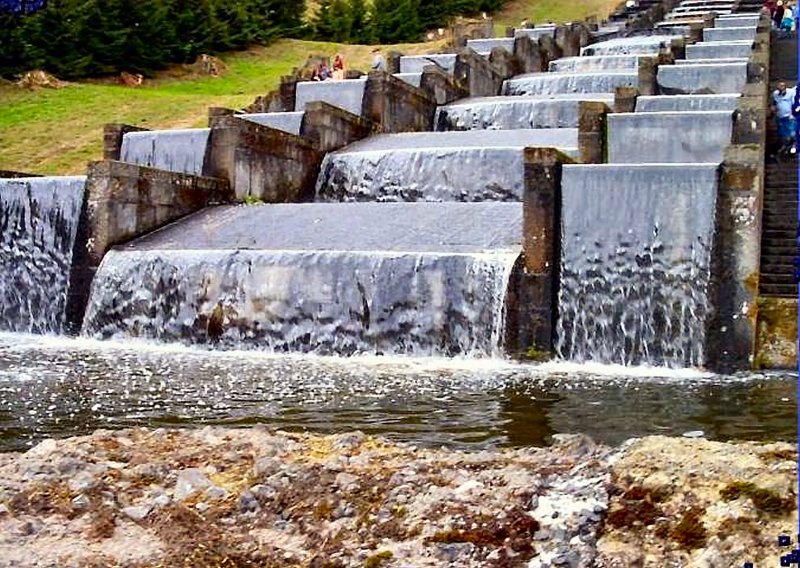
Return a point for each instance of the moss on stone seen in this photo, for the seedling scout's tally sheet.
(690, 533)
(764, 500)
(378, 560)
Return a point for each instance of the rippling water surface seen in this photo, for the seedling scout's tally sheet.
(53, 387)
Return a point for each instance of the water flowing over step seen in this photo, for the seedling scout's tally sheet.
(562, 83)
(683, 103)
(643, 45)
(38, 226)
(597, 63)
(513, 113)
(635, 263)
(705, 78)
(444, 166)
(182, 151)
(408, 279)
(669, 137)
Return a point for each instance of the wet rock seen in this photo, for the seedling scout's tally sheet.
(190, 481)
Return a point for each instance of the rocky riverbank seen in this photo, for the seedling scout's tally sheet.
(251, 497)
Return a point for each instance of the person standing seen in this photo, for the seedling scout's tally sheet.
(783, 106)
(378, 62)
(777, 15)
(338, 67)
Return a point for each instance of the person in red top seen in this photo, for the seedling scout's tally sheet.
(338, 67)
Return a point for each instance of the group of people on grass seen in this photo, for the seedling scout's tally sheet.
(323, 72)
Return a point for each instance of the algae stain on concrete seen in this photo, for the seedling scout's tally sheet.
(777, 333)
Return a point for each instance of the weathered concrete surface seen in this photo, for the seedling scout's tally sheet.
(331, 128)
(530, 55)
(702, 79)
(413, 79)
(777, 333)
(533, 288)
(290, 122)
(739, 211)
(262, 162)
(675, 103)
(729, 34)
(393, 105)
(124, 201)
(669, 137)
(719, 50)
(348, 95)
(475, 75)
(440, 86)
(592, 132)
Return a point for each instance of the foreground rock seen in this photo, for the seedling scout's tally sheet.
(239, 498)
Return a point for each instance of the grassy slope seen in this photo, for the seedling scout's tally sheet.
(58, 131)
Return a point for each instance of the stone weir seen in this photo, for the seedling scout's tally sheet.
(39, 220)
(580, 82)
(406, 279)
(512, 113)
(444, 166)
(636, 260)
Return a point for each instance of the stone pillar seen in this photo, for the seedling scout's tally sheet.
(533, 290)
(112, 139)
(395, 106)
(215, 112)
(592, 132)
(125, 201)
(504, 63)
(287, 92)
(262, 162)
(476, 75)
(529, 55)
(393, 62)
(749, 118)
(647, 76)
(441, 86)
(331, 127)
(625, 99)
(737, 254)
(550, 51)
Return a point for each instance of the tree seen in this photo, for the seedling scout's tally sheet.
(395, 21)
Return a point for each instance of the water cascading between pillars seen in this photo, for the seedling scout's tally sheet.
(38, 226)
(636, 258)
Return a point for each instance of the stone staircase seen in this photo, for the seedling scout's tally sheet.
(779, 230)
(749, 5)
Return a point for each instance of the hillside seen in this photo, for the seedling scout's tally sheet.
(58, 131)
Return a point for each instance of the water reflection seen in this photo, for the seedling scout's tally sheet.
(59, 387)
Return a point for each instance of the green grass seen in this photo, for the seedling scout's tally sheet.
(57, 131)
(557, 11)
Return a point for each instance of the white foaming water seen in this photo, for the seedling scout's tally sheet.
(330, 302)
(40, 219)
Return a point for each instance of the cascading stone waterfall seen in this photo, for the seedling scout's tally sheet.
(563, 83)
(512, 113)
(636, 259)
(38, 226)
(405, 284)
(446, 166)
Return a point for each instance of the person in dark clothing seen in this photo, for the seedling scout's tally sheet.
(777, 16)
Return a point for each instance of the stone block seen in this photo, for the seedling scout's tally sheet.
(331, 128)
(529, 55)
(476, 75)
(262, 162)
(592, 132)
(393, 105)
(441, 86)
